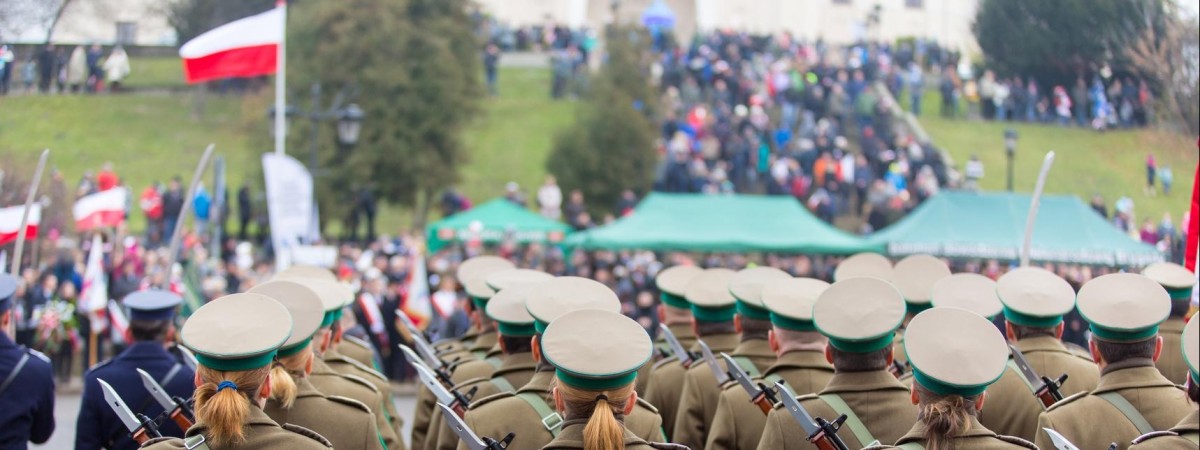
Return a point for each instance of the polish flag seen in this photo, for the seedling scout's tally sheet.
(246, 47)
(93, 298)
(10, 222)
(102, 209)
(416, 302)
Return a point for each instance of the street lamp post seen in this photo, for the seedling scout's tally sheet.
(347, 122)
(1010, 151)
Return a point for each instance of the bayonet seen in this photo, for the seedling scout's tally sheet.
(1060, 442)
(760, 394)
(189, 358)
(422, 345)
(682, 354)
(1044, 389)
(413, 358)
(454, 399)
(820, 432)
(468, 437)
(176, 410)
(140, 427)
(721, 375)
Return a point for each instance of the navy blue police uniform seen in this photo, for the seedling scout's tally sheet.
(98, 426)
(26, 386)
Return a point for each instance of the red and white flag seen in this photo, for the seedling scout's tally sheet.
(416, 303)
(246, 47)
(102, 209)
(93, 299)
(120, 323)
(10, 222)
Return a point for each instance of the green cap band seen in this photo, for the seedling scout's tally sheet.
(236, 364)
(294, 349)
(722, 314)
(1180, 294)
(670, 299)
(863, 346)
(337, 314)
(595, 384)
(480, 303)
(540, 326)
(916, 308)
(752, 312)
(328, 319)
(517, 329)
(1027, 320)
(789, 323)
(1108, 334)
(941, 388)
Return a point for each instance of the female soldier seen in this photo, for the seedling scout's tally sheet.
(235, 338)
(347, 423)
(596, 355)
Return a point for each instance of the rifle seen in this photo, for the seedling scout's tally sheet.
(821, 433)
(721, 375)
(760, 394)
(683, 355)
(141, 428)
(176, 408)
(468, 437)
(1044, 389)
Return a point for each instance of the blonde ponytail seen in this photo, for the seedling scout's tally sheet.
(603, 410)
(283, 387)
(223, 402)
(944, 417)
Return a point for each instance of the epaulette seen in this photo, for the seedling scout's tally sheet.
(361, 381)
(667, 446)
(1066, 400)
(489, 399)
(1017, 441)
(308, 433)
(156, 440)
(40, 355)
(468, 382)
(1079, 351)
(808, 397)
(358, 342)
(647, 405)
(664, 361)
(98, 365)
(362, 367)
(1152, 435)
(348, 401)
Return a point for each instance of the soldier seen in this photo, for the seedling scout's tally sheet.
(347, 423)
(915, 276)
(596, 355)
(1186, 434)
(671, 282)
(1132, 397)
(665, 377)
(477, 267)
(26, 383)
(235, 338)
(348, 366)
(151, 326)
(1034, 301)
(723, 300)
(863, 265)
(955, 354)
(801, 362)
(859, 316)
(1178, 281)
(970, 291)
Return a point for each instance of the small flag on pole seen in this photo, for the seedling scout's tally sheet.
(94, 296)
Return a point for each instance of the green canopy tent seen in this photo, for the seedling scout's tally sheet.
(721, 223)
(495, 221)
(991, 225)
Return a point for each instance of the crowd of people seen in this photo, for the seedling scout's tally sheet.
(61, 69)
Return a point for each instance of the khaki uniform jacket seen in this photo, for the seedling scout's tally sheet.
(1091, 422)
(480, 343)
(347, 366)
(880, 401)
(1183, 436)
(329, 382)
(517, 369)
(662, 350)
(739, 423)
(349, 425)
(504, 413)
(698, 401)
(1170, 362)
(358, 350)
(1012, 409)
(260, 432)
(666, 380)
(572, 438)
(976, 437)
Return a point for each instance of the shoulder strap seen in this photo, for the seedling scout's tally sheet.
(195, 442)
(502, 384)
(550, 419)
(911, 446)
(1118, 401)
(1193, 437)
(856, 425)
(494, 361)
(748, 366)
(16, 371)
(772, 379)
(1012, 365)
(171, 375)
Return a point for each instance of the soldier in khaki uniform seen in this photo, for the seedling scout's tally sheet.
(1034, 302)
(915, 276)
(729, 298)
(1132, 398)
(235, 338)
(354, 348)
(1186, 434)
(1178, 281)
(738, 423)
(955, 355)
(859, 316)
(664, 378)
(346, 423)
(671, 282)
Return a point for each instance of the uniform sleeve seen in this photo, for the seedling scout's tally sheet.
(372, 440)
(43, 413)
(1041, 439)
(723, 433)
(689, 420)
(87, 426)
(422, 415)
(431, 435)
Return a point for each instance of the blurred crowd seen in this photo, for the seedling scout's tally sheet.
(60, 69)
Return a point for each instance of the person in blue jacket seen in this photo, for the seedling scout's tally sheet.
(26, 384)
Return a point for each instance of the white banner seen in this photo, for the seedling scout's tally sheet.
(289, 203)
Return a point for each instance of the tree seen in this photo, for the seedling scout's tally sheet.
(1164, 54)
(20, 15)
(190, 18)
(611, 146)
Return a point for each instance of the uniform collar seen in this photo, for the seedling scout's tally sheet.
(917, 433)
(683, 333)
(540, 382)
(145, 350)
(332, 352)
(1131, 373)
(305, 388)
(1173, 326)
(321, 368)
(1189, 424)
(725, 342)
(515, 362)
(800, 359)
(484, 342)
(869, 381)
(1041, 344)
(754, 348)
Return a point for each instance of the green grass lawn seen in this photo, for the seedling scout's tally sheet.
(155, 73)
(1112, 164)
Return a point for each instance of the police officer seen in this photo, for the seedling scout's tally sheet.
(235, 339)
(664, 379)
(596, 355)
(1178, 281)
(1132, 397)
(26, 383)
(721, 299)
(955, 354)
(1186, 434)
(859, 316)
(670, 282)
(1034, 302)
(151, 327)
(915, 276)
(347, 423)
(801, 362)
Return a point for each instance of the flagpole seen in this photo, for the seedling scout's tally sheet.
(177, 233)
(1034, 203)
(280, 80)
(33, 188)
